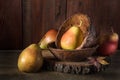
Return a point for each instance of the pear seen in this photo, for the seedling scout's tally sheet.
(30, 59)
(72, 38)
(49, 37)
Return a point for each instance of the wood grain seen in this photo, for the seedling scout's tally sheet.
(103, 14)
(23, 22)
(9, 70)
(10, 24)
(27, 22)
(60, 12)
(46, 14)
(42, 18)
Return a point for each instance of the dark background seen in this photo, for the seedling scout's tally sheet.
(23, 22)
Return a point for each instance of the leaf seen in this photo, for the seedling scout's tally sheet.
(99, 58)
(102, 61)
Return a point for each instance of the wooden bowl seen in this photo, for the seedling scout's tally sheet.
(71, 55)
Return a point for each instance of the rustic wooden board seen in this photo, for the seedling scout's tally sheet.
(9, 70)
(83, 67)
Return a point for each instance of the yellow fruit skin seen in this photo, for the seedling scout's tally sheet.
(71, 38)
(114, 37)
(30, 59)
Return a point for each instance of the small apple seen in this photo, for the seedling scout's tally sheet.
(109, 46)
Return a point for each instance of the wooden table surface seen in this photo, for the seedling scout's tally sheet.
(9, 71)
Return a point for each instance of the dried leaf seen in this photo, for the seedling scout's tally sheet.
(103, 62)
(99, 58)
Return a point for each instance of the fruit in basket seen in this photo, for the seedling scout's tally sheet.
(72, 38)
(30, 59)
(109, 45)
(49, 37)
(80, 20)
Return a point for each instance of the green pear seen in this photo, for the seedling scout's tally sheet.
(49, 37)
(72, 38)
(30, 59)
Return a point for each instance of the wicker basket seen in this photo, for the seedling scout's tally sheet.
(71, 55)
(69, 22)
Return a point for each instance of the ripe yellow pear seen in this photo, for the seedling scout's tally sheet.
(30, 59)
(72, 38)
(49, 37)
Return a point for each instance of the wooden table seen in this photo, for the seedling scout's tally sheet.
(9, 71)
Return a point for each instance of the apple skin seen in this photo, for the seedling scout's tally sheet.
(109, 45)
(108, 48)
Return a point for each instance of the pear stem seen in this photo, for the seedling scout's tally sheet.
(80, 22)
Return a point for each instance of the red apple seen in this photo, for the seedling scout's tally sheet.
(108, 47)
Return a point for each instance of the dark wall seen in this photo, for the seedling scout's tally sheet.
(26, 21)
(10, 24)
